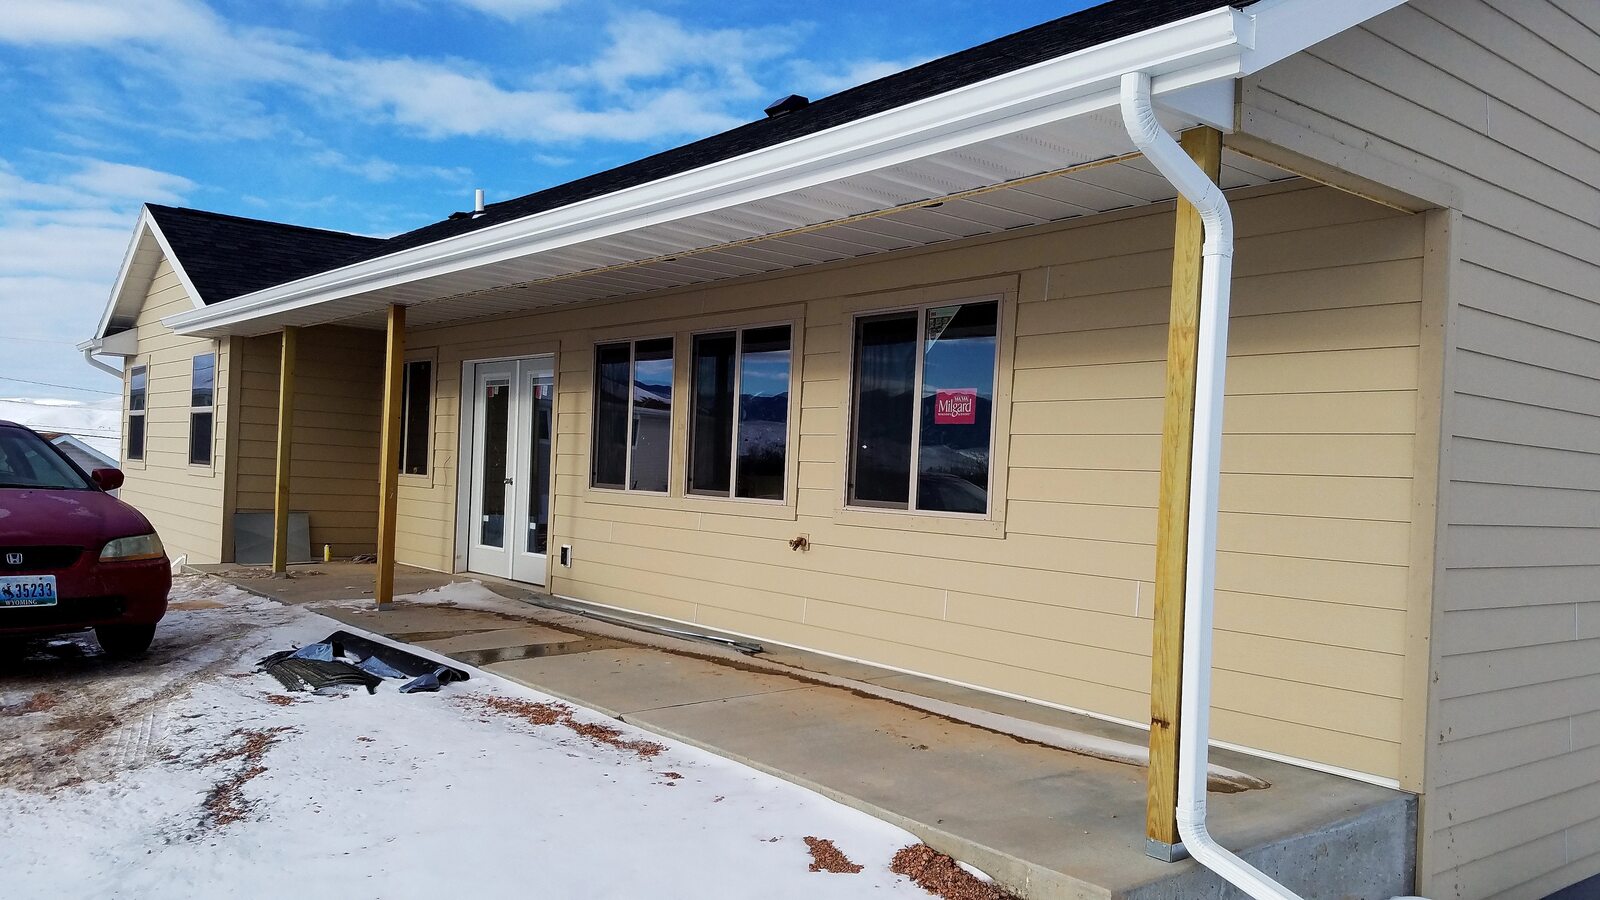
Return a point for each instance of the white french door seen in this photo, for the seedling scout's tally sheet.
(513, 428)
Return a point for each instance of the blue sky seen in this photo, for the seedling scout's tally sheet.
(375, 116)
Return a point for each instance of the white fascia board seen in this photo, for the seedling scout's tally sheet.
(146, 226)
(1286, 27)
(1202, 48)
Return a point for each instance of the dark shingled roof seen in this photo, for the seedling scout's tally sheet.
(226, 256)
(297, 253)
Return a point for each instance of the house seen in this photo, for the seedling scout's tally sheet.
(910, 374)
(86, 457)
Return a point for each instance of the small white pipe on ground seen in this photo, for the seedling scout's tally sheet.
(1216, 274)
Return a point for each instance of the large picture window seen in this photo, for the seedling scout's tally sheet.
(922, 395)
(739, 416)
(632, 437)
(202, 407)
(416, 392)
(137, 383)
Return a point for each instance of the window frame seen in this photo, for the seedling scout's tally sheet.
(672, 415)
(211, 444)
(738, 376)
(1005, 291)
(143, 414)
(405, 414)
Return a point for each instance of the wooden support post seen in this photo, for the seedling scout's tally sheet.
(389, 463)
(280, 479)
(1204, 145)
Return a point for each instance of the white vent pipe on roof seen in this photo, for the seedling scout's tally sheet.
(477, 202)
(1216, 275)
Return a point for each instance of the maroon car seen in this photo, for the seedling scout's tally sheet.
(71, 556)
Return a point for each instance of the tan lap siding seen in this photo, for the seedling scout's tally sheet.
(185, 503)
(1498, 101)
(1316, 498)
(334, 464)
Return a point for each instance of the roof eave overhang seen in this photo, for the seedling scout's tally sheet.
(1206, 49)
(1194, 51)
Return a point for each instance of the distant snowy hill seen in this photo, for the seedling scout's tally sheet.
(97, 423)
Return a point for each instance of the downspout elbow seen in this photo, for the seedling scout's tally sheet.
(1163, 151)
(88, 357)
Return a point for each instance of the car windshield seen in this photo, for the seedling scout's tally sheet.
(26, 461)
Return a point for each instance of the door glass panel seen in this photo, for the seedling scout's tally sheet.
(542, 391)
(885, 394)
(711, 431)
(763, 412)
(652, 415)
(496, 413)
(957, 399)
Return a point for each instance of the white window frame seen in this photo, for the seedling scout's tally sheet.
(211, 445)
(921, 309)
(594, 414)
(738, 377)
(407, 385)
(143, 414)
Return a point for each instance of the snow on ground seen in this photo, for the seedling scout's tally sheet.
(187, 774)
(97, 423)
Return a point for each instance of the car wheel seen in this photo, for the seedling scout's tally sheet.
(124, 641)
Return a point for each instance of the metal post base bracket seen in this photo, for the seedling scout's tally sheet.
(1164, 851)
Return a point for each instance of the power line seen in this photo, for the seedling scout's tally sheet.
(65, 387)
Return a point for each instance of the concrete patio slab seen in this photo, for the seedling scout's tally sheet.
(1048, 823)
(631, 680)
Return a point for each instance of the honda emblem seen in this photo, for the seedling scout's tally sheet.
(13, 559)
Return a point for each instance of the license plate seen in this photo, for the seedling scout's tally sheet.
(28, 590)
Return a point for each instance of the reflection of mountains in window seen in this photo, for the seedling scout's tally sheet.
(651, 396)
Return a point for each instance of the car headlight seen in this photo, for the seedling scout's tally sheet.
(139, 546)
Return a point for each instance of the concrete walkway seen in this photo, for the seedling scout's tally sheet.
(1045, 822)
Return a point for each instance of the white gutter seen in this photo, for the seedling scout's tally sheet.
(1216, 276)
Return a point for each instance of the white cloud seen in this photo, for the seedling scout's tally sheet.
(819, 80)
(120, 181)
(62, 237)
(511, 10)
(655, 77)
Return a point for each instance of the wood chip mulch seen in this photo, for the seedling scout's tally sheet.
(560, 714)
(941, 876)
(44, 701)
(225, 803)
(825, 857)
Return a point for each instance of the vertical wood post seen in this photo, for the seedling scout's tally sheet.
(1204, 145)
(280, 480)
(389, 464)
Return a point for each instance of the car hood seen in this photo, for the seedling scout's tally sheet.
(77, 518)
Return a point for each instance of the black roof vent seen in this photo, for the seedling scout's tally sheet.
(787, 105)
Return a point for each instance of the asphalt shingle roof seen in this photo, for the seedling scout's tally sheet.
(228, 256)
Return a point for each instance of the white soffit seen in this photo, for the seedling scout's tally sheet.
(817, 198)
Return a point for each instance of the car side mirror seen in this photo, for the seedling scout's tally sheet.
(107, 479)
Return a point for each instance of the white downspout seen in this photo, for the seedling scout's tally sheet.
(88, 357)
(1216, 276)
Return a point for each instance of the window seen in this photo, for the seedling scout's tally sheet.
(416, 390)
(632, 415)
(136, 400)
(739, 422)
(202, 405)
(922, 404)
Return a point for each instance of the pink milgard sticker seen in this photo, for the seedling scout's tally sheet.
(957, 406)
